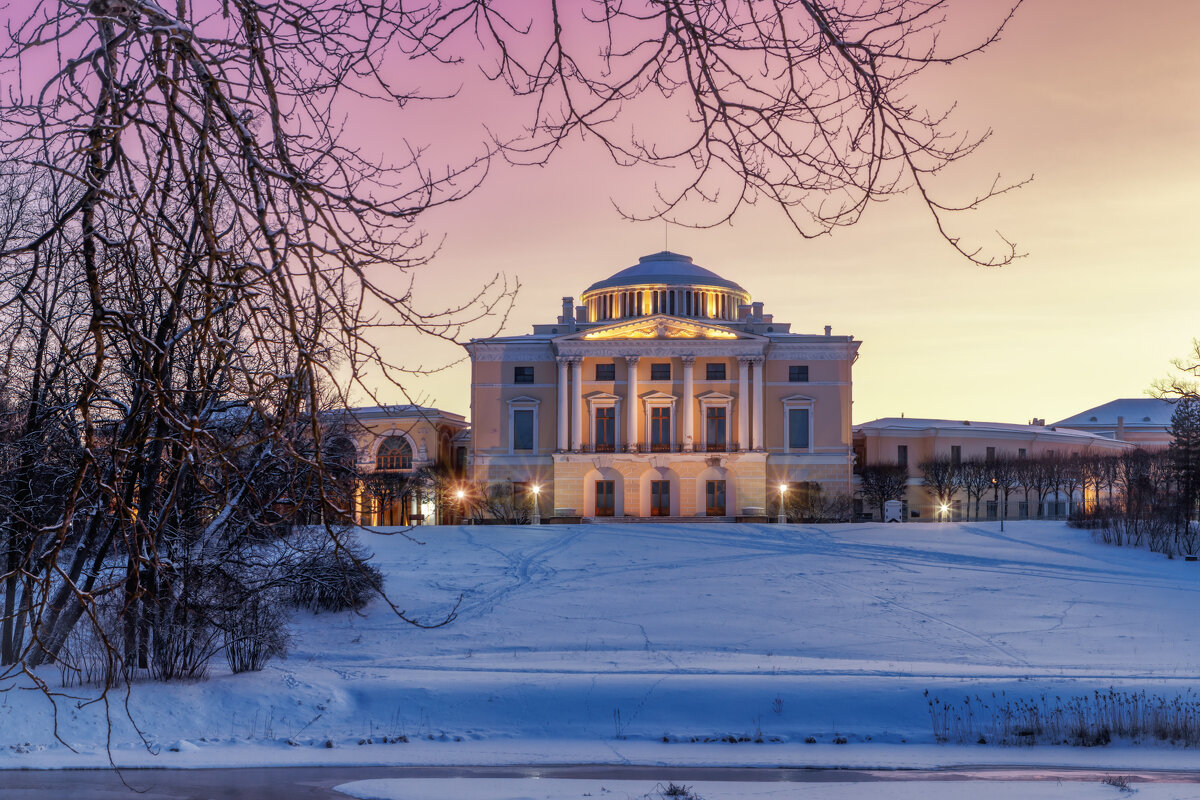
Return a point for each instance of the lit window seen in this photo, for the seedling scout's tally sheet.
(394, 453)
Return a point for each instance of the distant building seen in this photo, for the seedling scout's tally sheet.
(1144, 421)
(909, 441)
(666, 392)
(393, 446)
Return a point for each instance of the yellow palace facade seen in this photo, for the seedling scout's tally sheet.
(666, 392)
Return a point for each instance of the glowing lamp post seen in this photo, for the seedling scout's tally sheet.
(944, 511)
(782, 513)
(461, 496)
(537, 507)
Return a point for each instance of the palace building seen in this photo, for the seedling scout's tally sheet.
(666, 392)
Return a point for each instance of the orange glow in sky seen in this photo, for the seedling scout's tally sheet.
(1097, 102)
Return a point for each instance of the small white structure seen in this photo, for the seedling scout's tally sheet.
(893, 511)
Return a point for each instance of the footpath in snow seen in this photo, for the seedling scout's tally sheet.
(676, 644)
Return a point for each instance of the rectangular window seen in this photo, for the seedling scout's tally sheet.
(992, 507)
(1020, 452)
(522, 422)
(605, 499)
(714, 372)
(798, 373)
(714, 429)
(955, 454)
(660, 498)
(797, 428)
(660, 429)
(714, 498)
(991, 454)
(902, 455)
(660, 372)
(606, 372)
(606, 429)
(522, 374)
(1023, 509)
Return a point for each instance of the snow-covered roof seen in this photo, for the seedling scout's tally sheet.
(666, 268)
(916, 424)
(405, 410)
(1137, 411)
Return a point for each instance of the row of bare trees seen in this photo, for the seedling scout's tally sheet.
(1134, 478)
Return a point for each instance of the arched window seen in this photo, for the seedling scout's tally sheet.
(394, 453)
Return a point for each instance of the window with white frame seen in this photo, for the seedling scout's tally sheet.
(522, 425)
(797, 424)
(604, 410)
(716, 415)
(660, 421)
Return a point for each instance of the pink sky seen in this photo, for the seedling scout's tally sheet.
(1098, 103)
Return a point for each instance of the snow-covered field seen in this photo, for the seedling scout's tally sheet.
(659, 643)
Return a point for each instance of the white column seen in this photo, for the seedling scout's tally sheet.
(631, 404)
(758, 403)
(577, 404)
(743, 403)
(562, 404)
(686, 434)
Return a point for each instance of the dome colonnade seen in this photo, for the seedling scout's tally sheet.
(664, 283)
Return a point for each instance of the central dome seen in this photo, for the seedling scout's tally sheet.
(665, 269)
(664, 283)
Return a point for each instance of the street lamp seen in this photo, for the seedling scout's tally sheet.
(944, 511)
(537, 508)
(782, 512)
(461, 496)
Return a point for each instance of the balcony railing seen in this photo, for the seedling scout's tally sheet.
(657, 447)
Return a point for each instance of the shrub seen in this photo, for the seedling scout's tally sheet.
(255, 633)
(335, 579)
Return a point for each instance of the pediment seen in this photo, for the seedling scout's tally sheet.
(658, 326)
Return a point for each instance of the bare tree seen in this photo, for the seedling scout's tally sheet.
(801, 103)
(879, 483)
(976, 476)
(1184, 383)
(1006, 475)
(942, 480)
(190, 250)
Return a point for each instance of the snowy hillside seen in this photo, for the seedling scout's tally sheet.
(662, 643)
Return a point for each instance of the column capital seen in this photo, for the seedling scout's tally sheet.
(744, 360)
(757, 359)
(688, 360)
(632, 360)
(563, 360)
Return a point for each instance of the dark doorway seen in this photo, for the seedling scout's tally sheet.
(660, 498)
(714, 498)
(605, 499)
